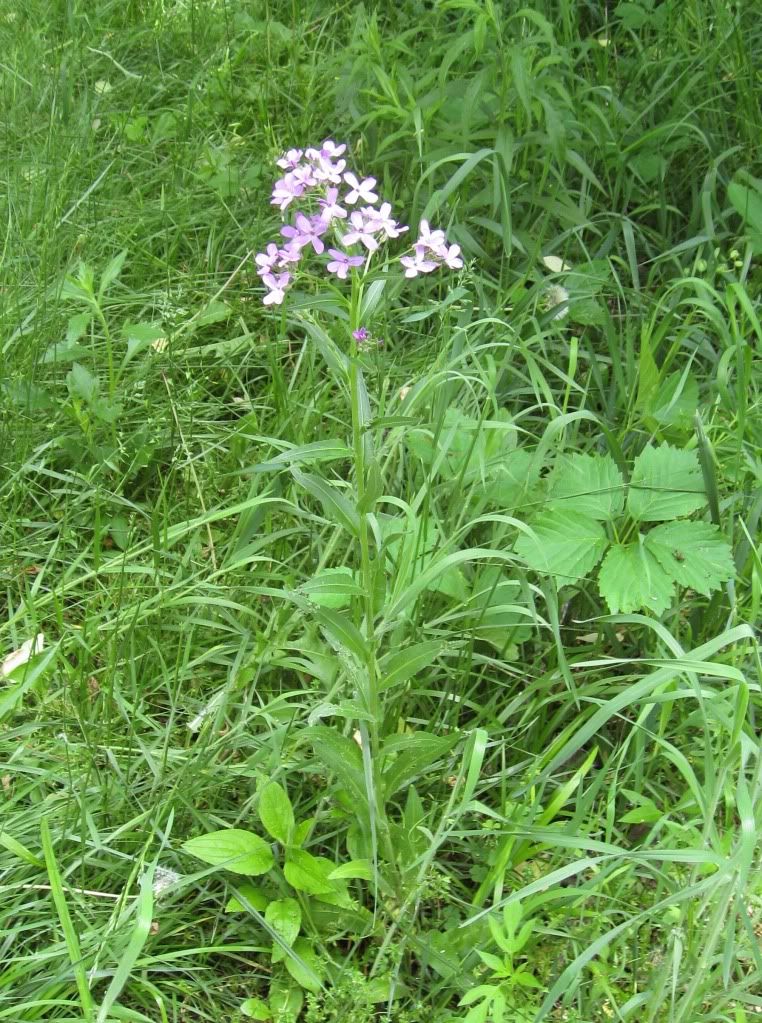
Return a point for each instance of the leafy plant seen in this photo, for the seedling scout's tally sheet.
(313, 882)
(591, 517)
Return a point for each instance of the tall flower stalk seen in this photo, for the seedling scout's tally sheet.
(337, 220)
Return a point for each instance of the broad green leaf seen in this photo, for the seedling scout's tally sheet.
(307, 970)
(77, 325)
(666, 483)
(589, 484)
(253, 895)
(82, 383)
(564, 543)
(362, 869)
(632, 578)
(498, 612)
(286, 1000)
(255, 1008)
(234, 849)
(285, 918)
(745, 193)
(400, 665)
(276, 812)
(307, 873)
(214, 312)
(694, 554)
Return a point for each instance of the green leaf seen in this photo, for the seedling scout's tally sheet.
(252, 894)
(400, 665)
(308, 969)
(333, 587)
(276, 812)
(676, 401)
(307, 873)
(234, 849)
(354, 869)
(564, 543)
(111, 272)
(589, 484)
(413, 755)
(666, 483)
(336, 507)
(77, 325)
(694, 554)
(632, 578)
(82, 383)
(745, 193)
(214, 312)
(255, 1008)
(285, 918)
(286, 1000)
(341, 756)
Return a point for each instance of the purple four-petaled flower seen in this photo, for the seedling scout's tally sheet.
(341, 263)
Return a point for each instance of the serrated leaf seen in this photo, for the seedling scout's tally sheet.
(564, 543)
(666, 483)
(632, 578)
(308, 969)
(233, 849)
(589, 484)
(77, 325)
(252, 894)
(276, 812)
(307, 873)
(82, 383)
(285, 918)
(694, 554)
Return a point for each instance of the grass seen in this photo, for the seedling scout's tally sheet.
(541, 798)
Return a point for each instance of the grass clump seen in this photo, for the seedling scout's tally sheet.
(413, 681)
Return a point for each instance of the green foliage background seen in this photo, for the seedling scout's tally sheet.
(561, 820)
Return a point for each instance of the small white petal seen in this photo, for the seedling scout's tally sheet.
(22, 655)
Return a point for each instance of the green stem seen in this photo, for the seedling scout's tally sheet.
(366, 567)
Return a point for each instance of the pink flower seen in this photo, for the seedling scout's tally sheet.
(341, 262)
(452, 257)
(306, 231)
(331, 209)
(329, 149)
(359, 189)
(379, 220)
(285, 191)
(327, 171)
(360, 233)
(434, 240)
(268, 259)
(290, 159)
(277, 283)
(418, 264)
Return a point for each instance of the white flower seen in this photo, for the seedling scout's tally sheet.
(556, 297)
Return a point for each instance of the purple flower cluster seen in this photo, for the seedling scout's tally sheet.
(318, 178)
